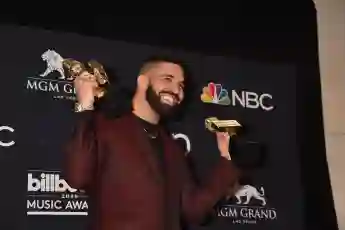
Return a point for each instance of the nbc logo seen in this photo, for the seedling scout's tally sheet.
(215, 94)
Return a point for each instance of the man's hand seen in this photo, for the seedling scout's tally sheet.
(223, 141)
(85, 85)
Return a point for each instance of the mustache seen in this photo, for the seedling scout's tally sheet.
(174, 95)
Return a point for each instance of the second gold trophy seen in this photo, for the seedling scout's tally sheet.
(75, 68)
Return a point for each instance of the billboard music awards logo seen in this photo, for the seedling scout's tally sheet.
(247, 206)
(49, 194)
(53, 79)
(215, 94)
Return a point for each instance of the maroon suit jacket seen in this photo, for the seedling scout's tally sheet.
(113, 160)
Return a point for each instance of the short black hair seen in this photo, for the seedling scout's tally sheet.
(150, 62)
(154, 60)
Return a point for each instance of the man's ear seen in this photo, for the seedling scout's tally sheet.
(143, 81)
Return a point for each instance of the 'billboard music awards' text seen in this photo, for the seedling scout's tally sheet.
(49, 194)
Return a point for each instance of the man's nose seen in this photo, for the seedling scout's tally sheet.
(176, 90)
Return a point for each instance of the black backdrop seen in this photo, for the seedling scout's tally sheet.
(304, 96)
(42, 120)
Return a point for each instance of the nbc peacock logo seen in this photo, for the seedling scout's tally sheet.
(215, 94)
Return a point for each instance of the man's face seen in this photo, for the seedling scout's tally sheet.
(165, 91)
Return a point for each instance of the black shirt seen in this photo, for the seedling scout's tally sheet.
(153, 135)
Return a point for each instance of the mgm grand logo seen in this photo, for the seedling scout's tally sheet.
(58, 77)
(53, 80)
(247, 206)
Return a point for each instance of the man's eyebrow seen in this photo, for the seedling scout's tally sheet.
(182, 83)
(168, 75)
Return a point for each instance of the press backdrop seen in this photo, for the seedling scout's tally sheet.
(36, 118)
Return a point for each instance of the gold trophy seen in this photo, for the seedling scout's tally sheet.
(213, 124)
(75, 68)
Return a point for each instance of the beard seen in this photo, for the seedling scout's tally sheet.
(162, 109)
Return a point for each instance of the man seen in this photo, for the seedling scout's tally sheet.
(134, 172)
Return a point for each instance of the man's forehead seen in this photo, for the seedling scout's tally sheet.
(170, 69)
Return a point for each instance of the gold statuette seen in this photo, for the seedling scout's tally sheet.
(75, 68)
(213, 124)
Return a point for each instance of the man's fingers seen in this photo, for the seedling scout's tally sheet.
(223, 134)
(84, 84)
(85, 76)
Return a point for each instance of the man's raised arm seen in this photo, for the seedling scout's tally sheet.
(198, 200)
(80, 151)
(81, 148)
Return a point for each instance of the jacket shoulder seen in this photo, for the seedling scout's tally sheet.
(105, 124)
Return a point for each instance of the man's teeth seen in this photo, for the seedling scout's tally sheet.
(168, 99)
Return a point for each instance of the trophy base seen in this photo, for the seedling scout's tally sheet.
(231, 127)
(231, 131)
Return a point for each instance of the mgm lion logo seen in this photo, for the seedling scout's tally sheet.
(250, 192)
(54, 63)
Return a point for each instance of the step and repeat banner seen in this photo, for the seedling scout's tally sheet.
(36, 118)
